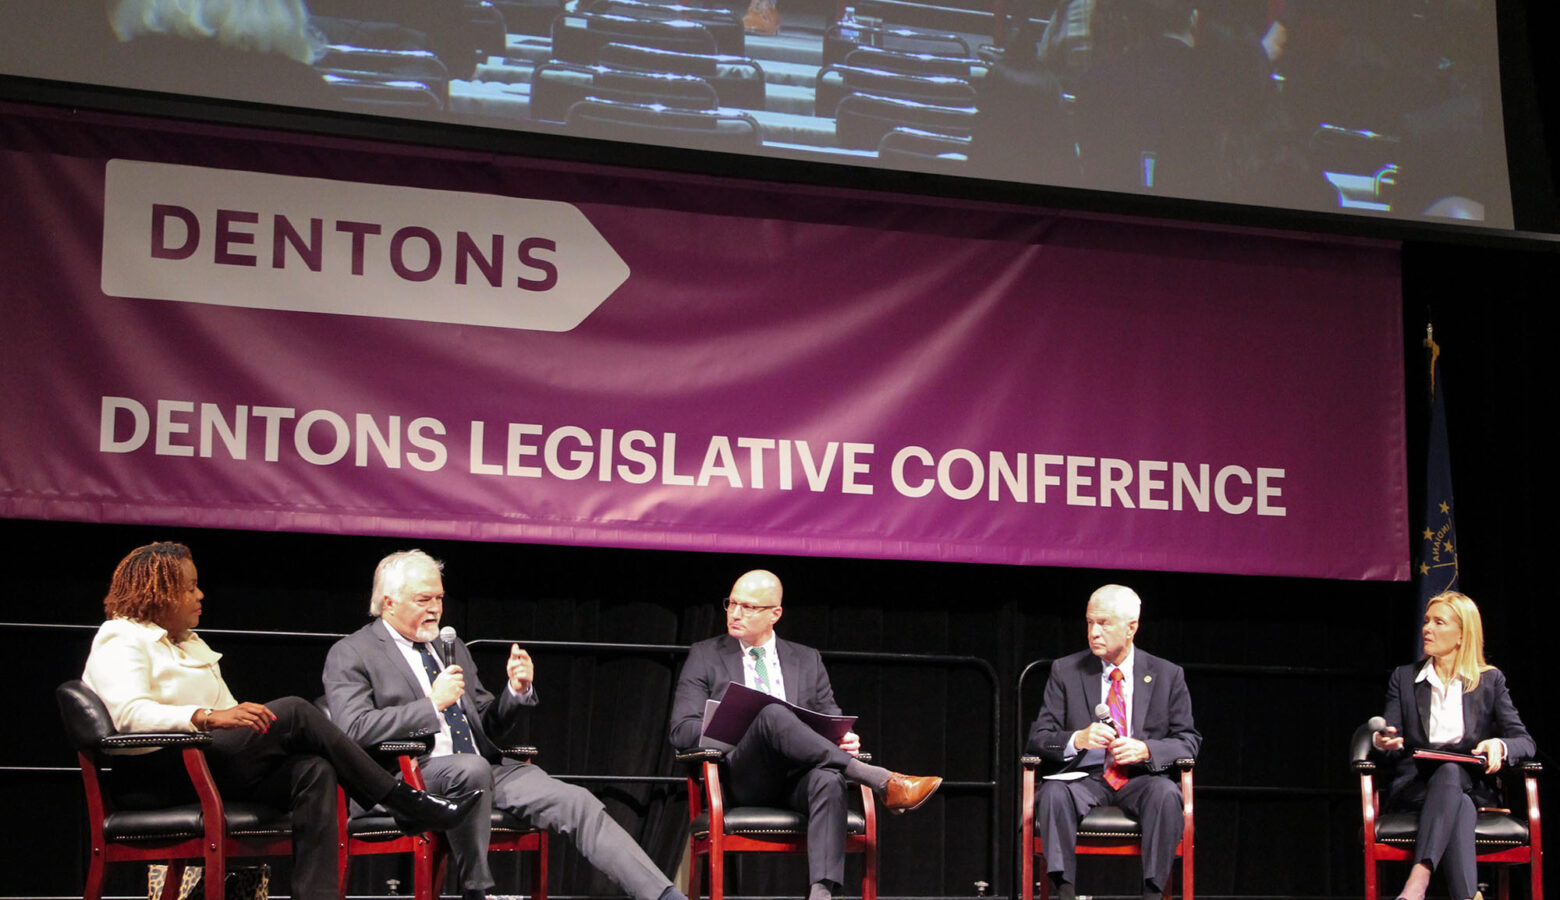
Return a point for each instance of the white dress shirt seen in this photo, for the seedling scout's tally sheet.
(1446, 706)
(443, 745)
(776, 685)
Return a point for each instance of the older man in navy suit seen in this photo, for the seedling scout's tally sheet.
(780, 761)
(387, 681)
(1122, 761)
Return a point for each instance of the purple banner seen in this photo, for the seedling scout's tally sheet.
(213, 327)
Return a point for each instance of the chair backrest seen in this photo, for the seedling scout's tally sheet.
(86, 719)
(863, 119)
(724, 24)
(915, 63)
(577, 37)
(723, 130)
(738, 80)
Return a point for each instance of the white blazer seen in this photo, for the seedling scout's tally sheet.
(149, 683)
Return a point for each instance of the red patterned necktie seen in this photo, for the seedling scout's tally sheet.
(1118, 714)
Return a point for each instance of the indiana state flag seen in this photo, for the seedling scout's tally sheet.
(1436, 554)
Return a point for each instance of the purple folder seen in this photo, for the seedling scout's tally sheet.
(727, 719)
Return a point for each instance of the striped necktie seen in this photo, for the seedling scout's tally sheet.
(1114, 776)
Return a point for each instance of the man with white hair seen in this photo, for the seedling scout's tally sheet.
(388, 680)
(1123, 760)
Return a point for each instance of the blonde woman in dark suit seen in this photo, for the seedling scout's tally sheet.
(1450, 700)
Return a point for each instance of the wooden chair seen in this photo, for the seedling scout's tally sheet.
(1500, 838)
(376, 832)
(1105, 831)
(718, 829)
(206, 832)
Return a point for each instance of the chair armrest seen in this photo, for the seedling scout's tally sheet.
(1363, 766)
(152, 739)
(523, 753)
(400, 746)
(695, 757)
(1529, 767)
(1031, 762)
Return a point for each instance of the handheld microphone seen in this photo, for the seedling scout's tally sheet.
(1377, 724)
(447, 641)
(1103, 716)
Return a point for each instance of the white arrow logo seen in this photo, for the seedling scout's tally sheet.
(248, 239)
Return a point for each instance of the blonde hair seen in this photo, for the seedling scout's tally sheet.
(260, 26)
(1468, 661)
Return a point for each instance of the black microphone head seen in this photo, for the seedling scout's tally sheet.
(1377, 723)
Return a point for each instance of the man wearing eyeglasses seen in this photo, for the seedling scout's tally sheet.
(390, 680)
(780, 761)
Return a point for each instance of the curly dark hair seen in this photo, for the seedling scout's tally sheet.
(147, 582)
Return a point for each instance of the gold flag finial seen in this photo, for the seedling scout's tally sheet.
(1435, 353)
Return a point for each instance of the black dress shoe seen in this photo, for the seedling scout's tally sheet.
(416, 810)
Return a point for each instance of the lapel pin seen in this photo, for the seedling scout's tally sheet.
(1147, 678)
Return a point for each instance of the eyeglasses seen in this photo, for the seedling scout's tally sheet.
(747, 609)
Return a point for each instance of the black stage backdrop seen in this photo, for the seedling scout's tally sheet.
(1281, 670)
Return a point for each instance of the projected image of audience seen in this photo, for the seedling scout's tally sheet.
(1388, 107)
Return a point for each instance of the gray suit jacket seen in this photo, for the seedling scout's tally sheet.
(1161, 709)
(374, 695)
(714, 663)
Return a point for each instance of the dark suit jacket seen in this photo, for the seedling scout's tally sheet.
(1161, 709)
(374, 695)
(714, 663)
(1487, 713)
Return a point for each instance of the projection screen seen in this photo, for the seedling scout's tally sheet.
(1385, 108)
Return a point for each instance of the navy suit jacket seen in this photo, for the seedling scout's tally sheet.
(714, 663)
(1161, 710)
(1487, 713)
(374, 695)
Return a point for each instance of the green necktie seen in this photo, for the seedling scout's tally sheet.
(760, 670)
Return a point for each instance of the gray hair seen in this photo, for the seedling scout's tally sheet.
(260, 26)
(1120, 598)
(390, 576)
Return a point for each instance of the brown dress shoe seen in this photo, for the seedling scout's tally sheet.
(907, 792)
(763, 17)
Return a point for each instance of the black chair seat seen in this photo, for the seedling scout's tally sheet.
(376, 825)
(1108, 821)
(761, 820)
(503, 820)
(1491, 830)
(249, 819)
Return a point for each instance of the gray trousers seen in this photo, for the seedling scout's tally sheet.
(533, 796)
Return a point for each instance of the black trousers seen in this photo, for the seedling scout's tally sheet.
(1447, 816)
(782, 762)
(295, 765)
